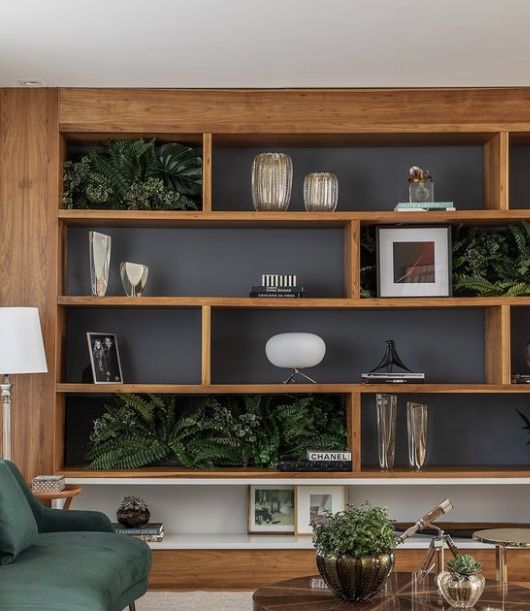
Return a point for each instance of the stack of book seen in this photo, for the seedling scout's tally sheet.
(319, 460)
(278, 285)
(390, 377)
(424, 206)
(151, 533)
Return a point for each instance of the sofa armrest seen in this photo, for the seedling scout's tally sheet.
(57, 520)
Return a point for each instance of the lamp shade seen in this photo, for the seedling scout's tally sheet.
(295, 350)
(21, 345)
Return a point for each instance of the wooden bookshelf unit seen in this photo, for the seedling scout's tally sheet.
(230, 125)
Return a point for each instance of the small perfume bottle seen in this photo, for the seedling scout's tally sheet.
(421, 186)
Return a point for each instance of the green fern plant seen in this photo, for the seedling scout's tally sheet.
(134, 174)
(230, 431)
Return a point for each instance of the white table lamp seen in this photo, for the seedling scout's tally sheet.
(21, 351)
(296, 351)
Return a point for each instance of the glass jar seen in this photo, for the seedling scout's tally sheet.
(272, 178)
(321, 192)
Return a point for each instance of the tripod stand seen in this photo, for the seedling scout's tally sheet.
(434, 558)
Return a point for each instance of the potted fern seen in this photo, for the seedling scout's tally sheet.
(355, 551)
(462, 584)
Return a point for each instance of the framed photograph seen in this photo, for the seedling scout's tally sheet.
(104, 358)
(312, 503)
(414, 261)
(271, 509)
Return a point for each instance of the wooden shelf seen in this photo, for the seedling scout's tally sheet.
(201, 389)
(338, 303)
(153, 218)
(241, 476)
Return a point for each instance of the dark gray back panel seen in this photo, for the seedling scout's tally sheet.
(370, 178)
(156, 345)
(462, 430)
(519, 174)
(520, 318)
(447, 344)
(214, 262)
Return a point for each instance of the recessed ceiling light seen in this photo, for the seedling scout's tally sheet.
(31, 82)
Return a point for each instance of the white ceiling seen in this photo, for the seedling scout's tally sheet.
(265, 43)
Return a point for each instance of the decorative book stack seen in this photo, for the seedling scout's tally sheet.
(424, 206)
(151, 533)
(278, 285)
(319, 460)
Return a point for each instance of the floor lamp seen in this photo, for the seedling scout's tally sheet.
(21, 351)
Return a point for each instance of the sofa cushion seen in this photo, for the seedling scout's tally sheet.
(75, 571)
(18, 528)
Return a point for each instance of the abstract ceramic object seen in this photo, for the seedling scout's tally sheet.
(417, 434)
(386, 407)
(296, 351)
(99, 258)
(134, 278)
(355, 578)
(272, 178)
(321, 192)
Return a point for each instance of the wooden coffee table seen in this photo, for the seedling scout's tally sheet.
(400, 593)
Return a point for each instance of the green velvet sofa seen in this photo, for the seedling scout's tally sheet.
(53, 560)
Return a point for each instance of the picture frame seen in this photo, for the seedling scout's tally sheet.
(311, 501)
(271, 509)
(414, 261)
(104, 358)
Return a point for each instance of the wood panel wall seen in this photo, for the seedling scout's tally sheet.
(29, 141)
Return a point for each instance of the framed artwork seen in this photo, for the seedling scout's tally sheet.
(312, 503)
(104, 358)
(271, 509)
(414, 261)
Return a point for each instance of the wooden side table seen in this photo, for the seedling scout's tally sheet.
(67, 495)
(503, 538)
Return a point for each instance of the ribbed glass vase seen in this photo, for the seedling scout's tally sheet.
(321, 192)
(272, 179)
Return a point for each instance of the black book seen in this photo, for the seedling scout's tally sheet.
(315, 465)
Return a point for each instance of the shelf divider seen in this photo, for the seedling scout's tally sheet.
(207, 172)
(497, 345)
(206, 344)
(496, 172)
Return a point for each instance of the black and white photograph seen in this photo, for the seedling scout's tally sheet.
(271, 509)
(313, 503)
(104, 358)
(414, 261)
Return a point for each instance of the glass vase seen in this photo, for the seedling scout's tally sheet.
(134, 278)
(99, 257)
(321, 192)
(417, 434)
(386, 408)
(421, 191)
(272, 179)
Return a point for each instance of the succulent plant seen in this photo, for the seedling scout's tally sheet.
(464, 565)
(133, 503)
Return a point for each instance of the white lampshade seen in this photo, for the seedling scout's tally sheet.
(21, 345)
(295, 350)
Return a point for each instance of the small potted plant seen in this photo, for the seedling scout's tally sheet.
(133, 512)
(462, 584)
(355, 551)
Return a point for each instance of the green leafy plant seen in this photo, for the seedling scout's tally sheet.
(225, 430)
(135, 175)
(132, 503)
(486, 261)
(358, 530)
(464, 565)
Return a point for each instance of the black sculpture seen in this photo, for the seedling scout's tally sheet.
(390, 359)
